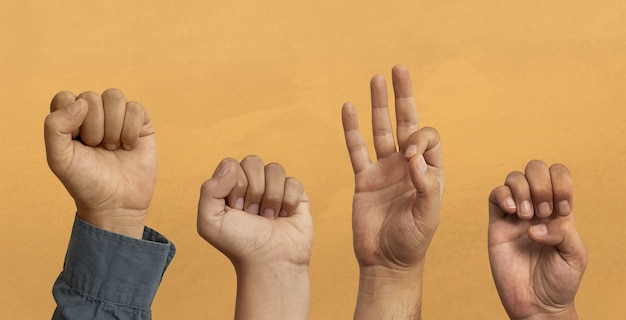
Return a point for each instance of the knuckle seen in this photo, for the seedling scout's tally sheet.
(272, 197)
(536, 162)
(541, 192)
(535, 166)
(514, 176)
(113, 95)
(255, 191)
(559, 167)
(49, 121)
(61, 99)
(206, 187)
(252, 158)
(293, 183)
(134, 108)
(90, 96)
(290, 199)
(63, 95)
(431, 131)
(274, 168)
(566, 226)
(241, 183)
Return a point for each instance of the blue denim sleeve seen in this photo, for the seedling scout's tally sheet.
(110, 276)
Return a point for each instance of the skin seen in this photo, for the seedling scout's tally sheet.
(260, 219)
(537, 256)
(396, 203)
(102, 148)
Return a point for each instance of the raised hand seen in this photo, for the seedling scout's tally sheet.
(537, 256)
(397, 199)
(103, 150)
(260, 219)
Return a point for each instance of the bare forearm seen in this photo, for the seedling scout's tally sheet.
(272, 293)
(385, 294)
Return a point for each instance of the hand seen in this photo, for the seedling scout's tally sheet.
(103, 150)
(537, 256)
(260, 219)
(395, 210)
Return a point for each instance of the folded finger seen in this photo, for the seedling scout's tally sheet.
(425, 141)
(538, 177)
(562, 189)
(294, 194)
(238, 193)
(503, 198)
(255, 174)
(274, 190)
(133, 123)
(520, 189)
(62, 100)
(114, 104)
(92, 130)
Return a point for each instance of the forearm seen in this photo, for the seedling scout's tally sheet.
(272, 292)
(389, 294)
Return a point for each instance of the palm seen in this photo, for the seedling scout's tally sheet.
(253, 237)
(529, 276)
(101, 180)
(389, 229)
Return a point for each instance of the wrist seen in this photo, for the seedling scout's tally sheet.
(389, 293)
(272, 291)
(126, 222)
(568, 313)
(276, 275)
(386, 278)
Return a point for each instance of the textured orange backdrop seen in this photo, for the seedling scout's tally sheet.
(504, 82)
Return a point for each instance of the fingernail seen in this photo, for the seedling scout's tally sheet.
(223, 169)
(410, 151)
(539, 230)
(126, 147)
(268, 213)
(544, 209)
(75, 108)
(239, 204)
(283, 213)
(509, 203)
(564, 208)
(525, 209)
(421, 164)
(253, 208)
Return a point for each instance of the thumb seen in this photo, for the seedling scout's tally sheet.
(562, 234)
(58, 128)
(212, 204)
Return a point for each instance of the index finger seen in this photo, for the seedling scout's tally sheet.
(359, 156)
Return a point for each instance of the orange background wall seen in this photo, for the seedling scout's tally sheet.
(504, 82)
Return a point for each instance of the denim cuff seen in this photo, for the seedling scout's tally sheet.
(114, 268)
